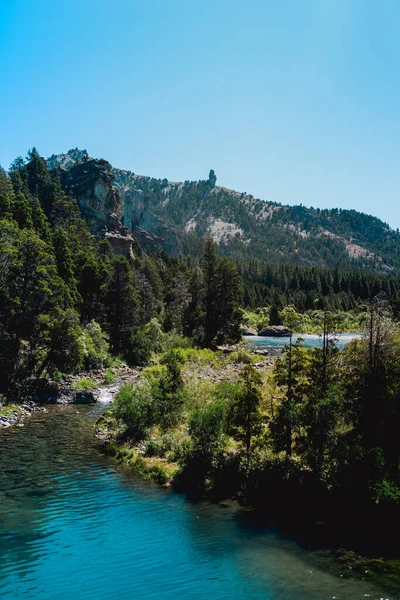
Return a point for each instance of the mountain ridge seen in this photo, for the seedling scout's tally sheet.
(177, 216)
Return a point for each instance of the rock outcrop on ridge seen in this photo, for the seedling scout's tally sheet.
(91, 183)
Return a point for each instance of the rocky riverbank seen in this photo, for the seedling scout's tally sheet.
(102, 386)
(90, 387)
(15, 414)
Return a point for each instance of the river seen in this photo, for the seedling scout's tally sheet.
(75, 526)
(275, 345)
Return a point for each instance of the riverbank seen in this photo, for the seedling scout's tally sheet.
(87, 387)
(14, 415)
(203, 454)
(204, 373)
(209, 371)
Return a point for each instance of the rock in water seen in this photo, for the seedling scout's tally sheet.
(248, 330)
(275, 331)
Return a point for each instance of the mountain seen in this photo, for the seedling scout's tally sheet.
(177, 216)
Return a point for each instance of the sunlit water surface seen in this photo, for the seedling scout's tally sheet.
(275, 345)
(74, 526)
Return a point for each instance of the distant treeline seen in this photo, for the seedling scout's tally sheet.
(308, 288)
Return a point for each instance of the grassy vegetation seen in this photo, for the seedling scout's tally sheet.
(142, 440)
(109, 377)
(9, 410)
(85, 384)
(236, 431)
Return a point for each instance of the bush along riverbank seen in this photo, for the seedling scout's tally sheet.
(310, 440)
(151, 424)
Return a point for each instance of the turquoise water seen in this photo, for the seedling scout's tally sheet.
(275, 345)
(73, 525)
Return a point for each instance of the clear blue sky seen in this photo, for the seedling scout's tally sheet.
(296, 101)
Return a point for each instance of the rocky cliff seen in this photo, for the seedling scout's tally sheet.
(150, 230)
(91, 182)
(111, 208)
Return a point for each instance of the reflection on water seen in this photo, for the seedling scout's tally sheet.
(275, 345)
(74, 526)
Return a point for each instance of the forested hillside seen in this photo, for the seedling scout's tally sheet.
(68, 302)
(246, 227)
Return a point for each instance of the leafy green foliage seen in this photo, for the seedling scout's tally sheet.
(330, 420)
(134, 406)
(85, 384)
(95, 347)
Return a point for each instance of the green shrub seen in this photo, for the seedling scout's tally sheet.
(144, 342)
(199, 356)
(175, 340)
(226, 390)
(85, 384)
(152, 448)
(141, 348)
(258, 318)
(158, 474)
(153, 372)
(165, 447)
(95, 347)
(241, 356)
(198, 392)
(109, 377)
(207, 426)
(134, 406)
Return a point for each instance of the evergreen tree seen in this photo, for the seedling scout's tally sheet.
(121, 305)
(245, 414)
(210, 275)
(65, 264)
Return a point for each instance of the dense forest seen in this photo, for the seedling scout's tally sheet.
(68, 302)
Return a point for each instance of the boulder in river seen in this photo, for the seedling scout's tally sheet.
(248, 330)
(68, 396)
(275, 331)
(263, 352)
(84, 397)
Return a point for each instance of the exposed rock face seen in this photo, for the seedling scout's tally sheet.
(150, 230)
(249, 330)
(275, 331)
(169, 240)
(92, 185)
(113, 211)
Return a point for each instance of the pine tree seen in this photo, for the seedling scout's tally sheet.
(65, 264)
(121, 305)
(211, 300)
(245, 414)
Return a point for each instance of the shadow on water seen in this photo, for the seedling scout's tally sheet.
(72, 524)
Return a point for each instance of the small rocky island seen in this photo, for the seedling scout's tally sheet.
(275, 331)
